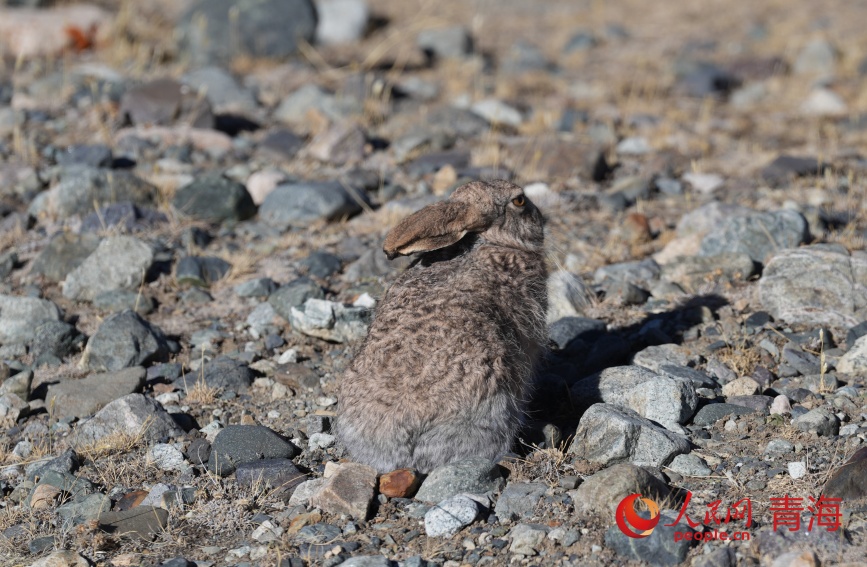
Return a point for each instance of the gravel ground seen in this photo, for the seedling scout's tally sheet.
(193, 198)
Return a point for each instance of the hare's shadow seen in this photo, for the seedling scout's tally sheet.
(594, 350)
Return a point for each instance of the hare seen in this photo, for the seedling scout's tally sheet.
(447, 364)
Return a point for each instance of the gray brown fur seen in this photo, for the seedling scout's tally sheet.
(446, 367)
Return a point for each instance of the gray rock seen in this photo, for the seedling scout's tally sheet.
(658, 398)
(222, 91)
(84, 397)
(222, 372)
(607, 434)
(519, 499)
(262, 317)
(689, 465)
(568, 296)
(259, 287)
(779, 446)
(639, 273)
(367, 561)
(699, 379)
(474, 476)
(496, 112)
(65, 463)
(164, 102)
(19, 317)
(711, 413)
(301, 204)
(602, 492)
(55, 338)
(341, 21)
(82, 188)
(804, 362)
(77, 513)
(18, 383)
(294, 294)
(238, 444)
(625, 293)
(8, 262)
(123, 340)
(816, 58)
(522, 57)
(168, 458)
(123, 218)
(657, 356)
(527, 538)
(816, 285)
(266, 28)
(849, 481)
(819, 421)
(121, 300)
(143, 522)
(756, 403)
(330, 320)
(785, 167)
(343, 143)
(450, 516)
(567, 329)
(855, 359)
(201, 270)
(759, 235)
(295, 108)
(98, 155)
(133, 414)
(214, 198)
(660, 548)
(321, 264)
(118, 263)
(12, 407)
(693, 272)
(449, 43)
(349, 490)
(64, 252)
(278, 475)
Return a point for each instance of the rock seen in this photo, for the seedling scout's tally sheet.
(711, 413)
(12, 407)
(526, 539)
(221, 90)
(64, 558)
(785, 167)
(301, 204)
(447, 43)
(239, 444)
(639, 273)
(497, 113)
(779, 446)
(741, 387)
(201, 270)
(369, 561)
(259, 287)
(168, 458)
(402, 483)
(321, 264)
(349, 490)
(659, 548)
(143, 522)
(634, 146)
(519, 499)
(450, 516)
(759, 235)
(294, 294)
(343, 143)
(701, 79)
(55, 338)
(690, 465)
(214, 198)
(222, 372)
(756, 403)
(567, 296)
(64, 252)
(658, 398)
(849, 481)
(806, 558)
(603, 491)
(474, 476)
(568, 329)
(780, 406)
(82, 188)
(296, 108)
(819, 421)
(321, 441)
(330, 320)
(98, 155)
(694, 272)
(19, 317)
(656, 357)
(278, 475)
(18, 383)
(84, 397)
(341, 21)
(797, 469)
(705, 183)
(123, 340)
(815, 285)
(120, 300)
(816, 58)
(824, 102)
(132, 414)
(118, 263)
(268, 29)
(26, 32)
(163, 102)
(855, 359)
(607, 435)
(305, 491)
(123, 218)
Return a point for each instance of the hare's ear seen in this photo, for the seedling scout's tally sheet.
(435, 226)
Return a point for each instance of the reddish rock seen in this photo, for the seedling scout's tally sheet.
(401, 483)
(130, 500)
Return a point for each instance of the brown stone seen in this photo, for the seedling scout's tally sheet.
(849, 482)
(130, 500)
(349, 490)
(44, 496)
(401, 483)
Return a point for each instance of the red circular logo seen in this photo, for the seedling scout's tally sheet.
(628, 518)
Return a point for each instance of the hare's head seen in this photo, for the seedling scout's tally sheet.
(497, 211)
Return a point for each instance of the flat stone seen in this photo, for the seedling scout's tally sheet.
(659, 548)
(143, 522)
(565, 330)
(84, 397)
(693, 272)
(118, 263)
(238, 444)
(602, 492)
(759, 235)
(330, 320)
(527, 539)
(711, 413)
(849, 481)
(785, 167)
(607, 435)
(690, 465)
(222, 372)
(134, 414)
(450, 516)
(163, 102)
(81, 188)
(519, 499)
(301, 204)
(819, 421)
(745, 386)
(474, 476)
(349, 490)
(279, 475)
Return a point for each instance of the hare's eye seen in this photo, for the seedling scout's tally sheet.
(519, 201)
